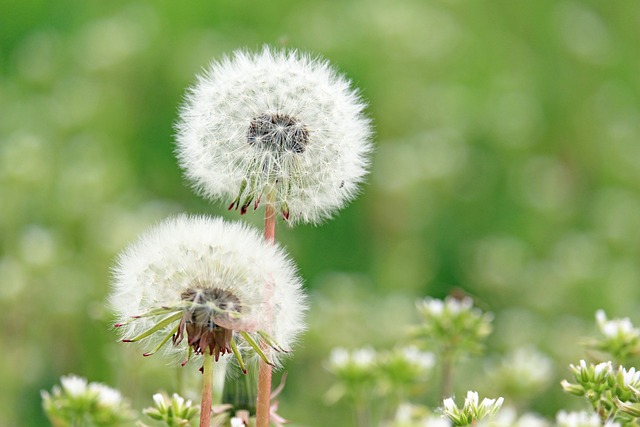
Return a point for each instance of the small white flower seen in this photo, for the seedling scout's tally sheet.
(602, 368)
(631, 377)
(210, 282)
(508, 417)
(471, 401)
(106, 395)
(616, 328)
(158, 398)
(338, 358)
(79, 402)
(422, 360)
(237, 422)
(364, 357)
(275, 125)
(449, 405)
(524, 369)
(434, 307)
(74, 385)
(174, 410)
(578, 419)
(473, 411)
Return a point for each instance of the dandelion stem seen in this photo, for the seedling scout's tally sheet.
(207, 387)
(263, 405)
(270, 221)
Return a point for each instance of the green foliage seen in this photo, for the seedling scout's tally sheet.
(613, 393)
(81, 404)
(619, 339)
(506, 163)
(452, 327)
(473, 411)
(172, 412)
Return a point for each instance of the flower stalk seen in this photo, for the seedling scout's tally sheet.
(265, 371)
(207, 390)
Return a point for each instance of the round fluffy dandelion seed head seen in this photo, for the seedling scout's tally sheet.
(207, 285)
(277, 125)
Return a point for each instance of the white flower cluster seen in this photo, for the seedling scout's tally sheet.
(454, 324)
(77, 402)
(340, 358)
(524, 369)
(409, 415)
(508, 417)
(173, 411)
(275, 126)
(472, 411)
(581, 419)
(616, 328)
(422, 361)
(78, 387)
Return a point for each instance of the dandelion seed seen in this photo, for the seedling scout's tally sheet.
(275, 125)
(208, 287)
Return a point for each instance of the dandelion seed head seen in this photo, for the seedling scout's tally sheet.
(223, 276)
(279, 124)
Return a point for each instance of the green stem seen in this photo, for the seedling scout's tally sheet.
(362, 413)
(447, 374)
(207, 387)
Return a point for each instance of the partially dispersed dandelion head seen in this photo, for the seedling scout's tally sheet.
(214, 287)
(276, 126)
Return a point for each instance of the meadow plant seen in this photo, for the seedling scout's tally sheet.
(508, 417)
(410, 415)
(172, 412)
(405, 371)
(520, 374)
(612, 391)
(581, 419)
(77, 402)
(472, 411)
(614, 394)
(619, 338)
(452, 328)
(364, 375)
(356, 377)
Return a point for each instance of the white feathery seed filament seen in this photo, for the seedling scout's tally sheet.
(277, 124)
(211, 276)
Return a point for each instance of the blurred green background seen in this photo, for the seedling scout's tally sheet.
(507, 165)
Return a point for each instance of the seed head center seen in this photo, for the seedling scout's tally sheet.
(200, 321)
(278, 132)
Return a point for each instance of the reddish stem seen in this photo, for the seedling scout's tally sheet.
(207, 390)
(263, 405)
(270, 222)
